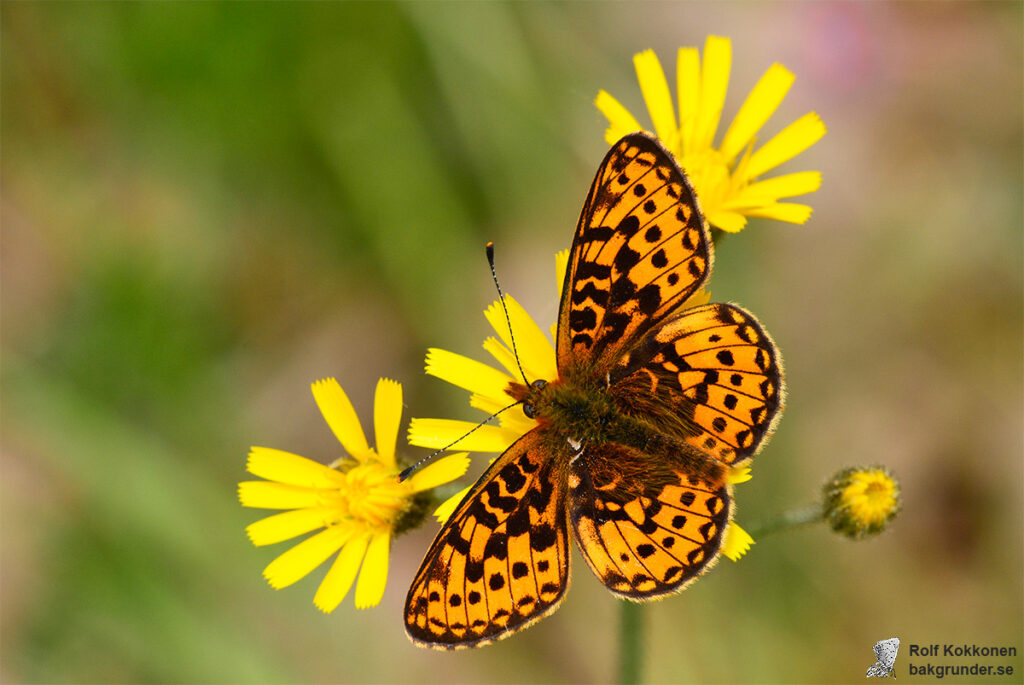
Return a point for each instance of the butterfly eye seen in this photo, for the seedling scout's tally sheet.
(529, 410)
(539, 383)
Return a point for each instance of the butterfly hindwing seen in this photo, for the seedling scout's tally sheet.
(720, 367)
(641, 248)
(645, 529)
(501, 561)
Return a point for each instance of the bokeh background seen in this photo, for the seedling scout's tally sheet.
(207, 206)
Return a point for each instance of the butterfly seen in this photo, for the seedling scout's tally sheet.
(885, 653)
(653, 404)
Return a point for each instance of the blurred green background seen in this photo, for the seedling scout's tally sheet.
(207, 206)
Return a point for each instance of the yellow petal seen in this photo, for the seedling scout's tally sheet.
(620, 121)
(387, 417)
(338, 580)
(441, 471)
(740, 474)
(297, 562)
(688, 85)
(770, 190)
(535, 350)
(510, 418)
(374, 575)
(731, 222)
(438, 433)
(517, 423)
(503, 356)
(698, 299)
(714, 83)
(285, 467)
(561, 266)
(737, 542)
(783, 211)
(447, 508)
(787, 144)
(341, 417)
(289, 524)
(488, 405)
(656, 94)
(466, 373)
(263, 495)
(762, 102)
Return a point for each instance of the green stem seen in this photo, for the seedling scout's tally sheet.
(631, 640)
(788, 519)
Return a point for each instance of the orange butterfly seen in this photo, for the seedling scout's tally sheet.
(634, 438)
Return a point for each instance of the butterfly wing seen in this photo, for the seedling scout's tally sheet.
(641, 248)
(501, 561)
(648, 536)
(720, 370)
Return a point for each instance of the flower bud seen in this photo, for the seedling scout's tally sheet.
(860, 501)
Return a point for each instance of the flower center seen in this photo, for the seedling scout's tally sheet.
(878, 496)
(872, 500)
(371, 494)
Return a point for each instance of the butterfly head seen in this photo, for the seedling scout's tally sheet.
(533, 397)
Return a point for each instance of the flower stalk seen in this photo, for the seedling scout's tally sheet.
(631, 642)
(794, 518)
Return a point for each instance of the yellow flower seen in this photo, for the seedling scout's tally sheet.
(861, 501)
(357, 501)
(725, 177)
(487, 387)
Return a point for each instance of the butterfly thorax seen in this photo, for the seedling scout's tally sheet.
(582, 414)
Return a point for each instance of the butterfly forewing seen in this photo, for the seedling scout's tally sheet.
(719, 366)
(501, 561)
(644, 537)
(641, 248)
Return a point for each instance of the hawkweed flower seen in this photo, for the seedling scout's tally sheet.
(726, 177)
(486, 385)
(861, 501)
(356, 503)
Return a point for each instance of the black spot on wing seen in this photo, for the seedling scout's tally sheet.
(543, 537)
(497, 546)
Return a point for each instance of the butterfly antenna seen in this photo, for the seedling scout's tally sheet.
(501, 298)
(408, 471)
